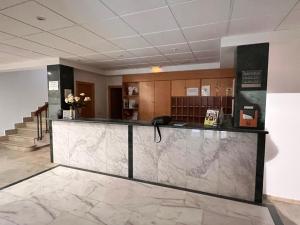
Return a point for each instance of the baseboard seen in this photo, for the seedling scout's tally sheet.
(287, 200)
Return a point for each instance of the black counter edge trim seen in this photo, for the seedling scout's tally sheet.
(27, 178)
(260, 162)
(274, 214)
(130, 151)
(51, 141)
(132, 123)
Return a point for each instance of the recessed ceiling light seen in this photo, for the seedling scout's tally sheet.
(41, 18)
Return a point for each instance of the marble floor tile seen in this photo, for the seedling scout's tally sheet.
(15, 165)
(65, 196)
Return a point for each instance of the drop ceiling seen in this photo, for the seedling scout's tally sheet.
(116, 34)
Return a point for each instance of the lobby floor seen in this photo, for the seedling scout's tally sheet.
(15, 165)
(74, 197)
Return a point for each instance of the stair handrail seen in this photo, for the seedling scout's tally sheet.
(39, 120)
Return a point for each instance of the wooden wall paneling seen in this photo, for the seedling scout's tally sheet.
(146, 106)
(181, 75)
(162, 98)
(178, 88)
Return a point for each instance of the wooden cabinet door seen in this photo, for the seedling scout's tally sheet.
(178, 88)
(146, 102)
(162, 98)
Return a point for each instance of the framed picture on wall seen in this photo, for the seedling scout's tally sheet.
(205, 90)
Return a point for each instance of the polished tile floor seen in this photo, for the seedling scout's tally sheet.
(67, 196)
(15, 165)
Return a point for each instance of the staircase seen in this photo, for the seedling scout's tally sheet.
(25, 135)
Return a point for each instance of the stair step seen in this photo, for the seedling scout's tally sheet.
(21, 139)
(27, 132)
(11, 145)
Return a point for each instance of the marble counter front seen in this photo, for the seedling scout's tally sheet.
(220, 162)
(92, 146)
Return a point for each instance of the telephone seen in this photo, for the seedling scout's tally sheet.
(161, 120)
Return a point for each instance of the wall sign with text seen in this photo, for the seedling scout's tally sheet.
(252, 79)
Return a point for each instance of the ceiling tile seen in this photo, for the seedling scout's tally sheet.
(111, 28)
(59, 43)
(208, 60)
(79, 11)
(165, 38)
(4, 36)
(176, 48)
(97, 57)
(129, 6)
(154, 59)
(205, 45)
(155, 20)
(19, 52)
(8, 3)
(118, 54)
(131, 42)
(253, 25)
(207, 54)
(246, 8)
(27, 12)
(85, 38)
(140, 52)
(181, 56)
(297, 7)
(205, 32)
(25, 44)
(170, 2)
(201, 12)
(12, 26)
(292, 21)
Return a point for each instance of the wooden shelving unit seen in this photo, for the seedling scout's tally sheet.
(193, 108)
(130, 111)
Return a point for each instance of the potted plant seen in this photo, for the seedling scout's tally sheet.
(76, 103)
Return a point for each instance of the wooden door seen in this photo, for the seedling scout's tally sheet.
(178, 88)
(162, 98)
(89, 89)
(115, 101)
(146, 105)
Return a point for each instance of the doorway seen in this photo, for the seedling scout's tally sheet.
(115, 101)
(89, 89)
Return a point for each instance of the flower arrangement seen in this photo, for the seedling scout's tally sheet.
(76, 102)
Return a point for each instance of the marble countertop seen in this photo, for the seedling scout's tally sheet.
(171, 125)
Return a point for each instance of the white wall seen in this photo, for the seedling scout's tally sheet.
(282, 168)
(282, 172)
(100, 89)
(21, 92)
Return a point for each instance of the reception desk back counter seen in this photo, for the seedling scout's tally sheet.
(226, 160)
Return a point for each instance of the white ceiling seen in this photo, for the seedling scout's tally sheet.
(115, 34)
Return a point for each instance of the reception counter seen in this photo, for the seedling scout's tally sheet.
(222, 161)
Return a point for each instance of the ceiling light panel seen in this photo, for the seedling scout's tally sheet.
(28, 11)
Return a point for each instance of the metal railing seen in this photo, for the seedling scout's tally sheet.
(39, 121)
